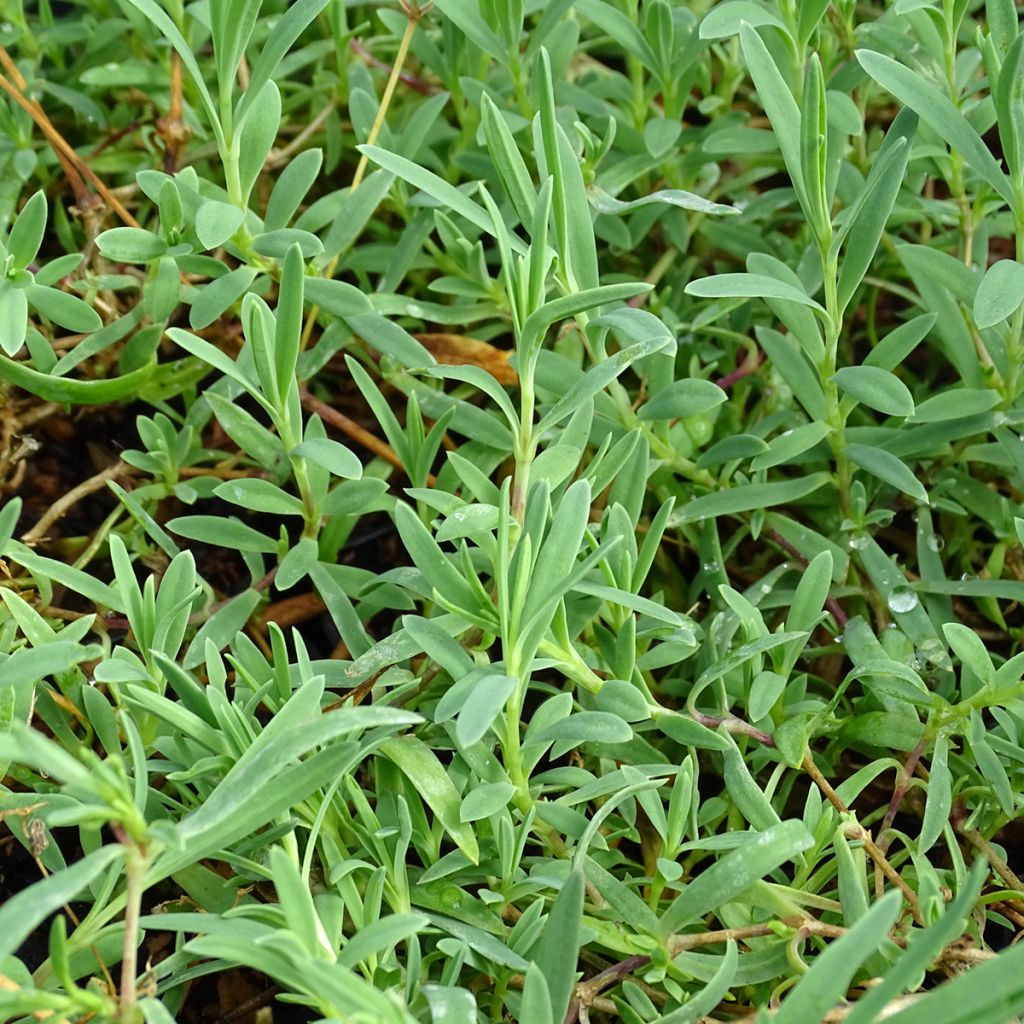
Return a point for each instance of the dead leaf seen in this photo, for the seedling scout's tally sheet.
(456, 350)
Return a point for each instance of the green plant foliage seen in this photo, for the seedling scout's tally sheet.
(561, 559)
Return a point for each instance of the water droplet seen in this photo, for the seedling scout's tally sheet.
(933, 653)
(858, 542)
(413, 310)
(966, 577)
(935, 543)
(710, 567)
(902, 600)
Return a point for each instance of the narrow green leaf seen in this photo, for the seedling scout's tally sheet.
(429, 778)
(748, 286)
(833, 971)
(734, 873)
(913, 90)
(23, 912)
(939, 801)
(437, 188)
(747, 497)
(887, 467)
(779, 105)
(557, 952)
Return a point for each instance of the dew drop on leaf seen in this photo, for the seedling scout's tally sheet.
(902, 600)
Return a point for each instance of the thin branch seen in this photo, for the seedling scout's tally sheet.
(67, 501)
(54, 137)
(870, 847)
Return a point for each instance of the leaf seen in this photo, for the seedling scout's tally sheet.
(388, 337)
(13, 317)
(420, 765)
(887, 467)
(130, 245)
(288, 323)
(437, 188)
(1000, 294)
(971, 651)
(259, 496)
(68, 575)
(724, 20)
(381, 935)
(27, 231)
(779, 105)
(557, 952)
(216, 222)
(683, 398)
(222, 532)
(485, 702)
(276, 244)
(330, 455)
(748, 286)
(468, 18)
(746, 497)
(29, 664)
(291, 187)
(899, 343)
(63, 309)
(734, 873)
(220, 293)
(536, 1002)
(586, 727)
(914, 91)
(508, 161)
(604, 203)
(939, 801)
(876, 388)
(483, 801)
(23, 912)
(257, 136)
(870, 214)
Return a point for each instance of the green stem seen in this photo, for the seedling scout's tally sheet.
(135, 873)
(833, 329)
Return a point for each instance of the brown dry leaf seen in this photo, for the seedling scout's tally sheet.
(456, 350)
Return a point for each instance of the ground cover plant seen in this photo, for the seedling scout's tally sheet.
(510, 511)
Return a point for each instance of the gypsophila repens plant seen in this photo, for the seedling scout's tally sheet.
(511, 512)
